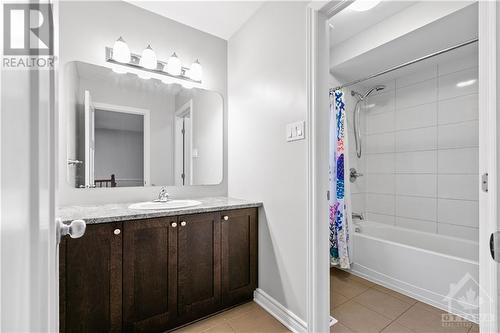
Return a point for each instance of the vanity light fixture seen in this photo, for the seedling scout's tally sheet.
(174, 66)
(120, 58)
(148, 58)
(121, 52)
(195, 72)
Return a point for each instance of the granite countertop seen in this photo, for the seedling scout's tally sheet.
(106, 213)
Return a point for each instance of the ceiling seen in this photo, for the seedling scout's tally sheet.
(219, 18)
(351, 22)
(455, 28)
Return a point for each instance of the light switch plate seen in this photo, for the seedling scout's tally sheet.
(295, 131)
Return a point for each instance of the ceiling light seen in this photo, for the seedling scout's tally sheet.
(174, 66)
(195, 72)
(466, 83)
(363, 5)
(148, 58)
(121, 52)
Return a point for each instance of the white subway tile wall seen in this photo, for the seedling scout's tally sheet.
(420, 145)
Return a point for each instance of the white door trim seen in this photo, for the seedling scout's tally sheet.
(488, 211)
(146, 129)
(181, 111)
(317, 275)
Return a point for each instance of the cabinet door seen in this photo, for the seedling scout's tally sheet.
(90, 282)
(149, 279)
(239, 255)
(199, 265)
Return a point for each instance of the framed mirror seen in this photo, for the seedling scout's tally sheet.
(125, 131)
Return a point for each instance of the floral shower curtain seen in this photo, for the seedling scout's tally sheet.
(339, 233)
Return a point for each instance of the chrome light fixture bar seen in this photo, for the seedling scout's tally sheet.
(135, 60)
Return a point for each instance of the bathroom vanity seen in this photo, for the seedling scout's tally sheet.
(153, 271)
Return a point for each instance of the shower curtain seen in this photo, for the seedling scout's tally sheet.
(339, 233)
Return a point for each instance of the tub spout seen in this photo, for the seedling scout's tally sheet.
(358, 216)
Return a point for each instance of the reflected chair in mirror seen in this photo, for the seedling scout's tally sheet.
(111, 182)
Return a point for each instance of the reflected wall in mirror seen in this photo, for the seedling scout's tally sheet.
(127, 131)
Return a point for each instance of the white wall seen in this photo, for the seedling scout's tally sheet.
(86, 28)
(267, 90)
(120, 153)
(421, 144)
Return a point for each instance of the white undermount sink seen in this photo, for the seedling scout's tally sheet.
(170, 204)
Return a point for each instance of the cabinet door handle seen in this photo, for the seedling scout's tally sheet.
(225, 217)
(117, 231)
(174, 224)
(183, 223)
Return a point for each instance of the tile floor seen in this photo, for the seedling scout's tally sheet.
(359, 306)
(246, 318)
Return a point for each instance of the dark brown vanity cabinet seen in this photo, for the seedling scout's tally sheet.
(90, 280)
(156, 274)
(239, 255)
(149, 274)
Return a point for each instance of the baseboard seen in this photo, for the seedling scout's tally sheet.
(278, 311)
(404, 288)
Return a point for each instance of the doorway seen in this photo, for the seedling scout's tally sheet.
(183, 144)
(484, 216)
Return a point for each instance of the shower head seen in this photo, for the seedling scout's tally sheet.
(368, 92)
(376, 89)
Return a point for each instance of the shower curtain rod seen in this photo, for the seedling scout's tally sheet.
(411, 62)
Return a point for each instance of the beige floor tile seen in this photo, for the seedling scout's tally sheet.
(359, 318)
(337, 299)
(239, 310)
(396, 328)
(382, 303)
(422, 319)
(361, 280)
(429, 307)
(347, 287)
(221, 328)
(340, 328)
(393, 293)
(339, 272)
(474, 328)
(258, 321)
(202, 325)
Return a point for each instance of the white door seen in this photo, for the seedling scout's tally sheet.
(183, 145)
(89, 140)
(488, 152)
(28, 274)
(179, 152)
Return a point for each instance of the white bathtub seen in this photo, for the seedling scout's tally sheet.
(419, 264)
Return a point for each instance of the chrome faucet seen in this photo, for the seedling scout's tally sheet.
(163, 195)
(358, 216)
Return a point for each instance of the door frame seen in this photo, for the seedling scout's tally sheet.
(317, 82)
(146, 130)
(181, 111)
(488, 154)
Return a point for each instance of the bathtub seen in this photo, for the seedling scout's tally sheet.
(434, 269)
